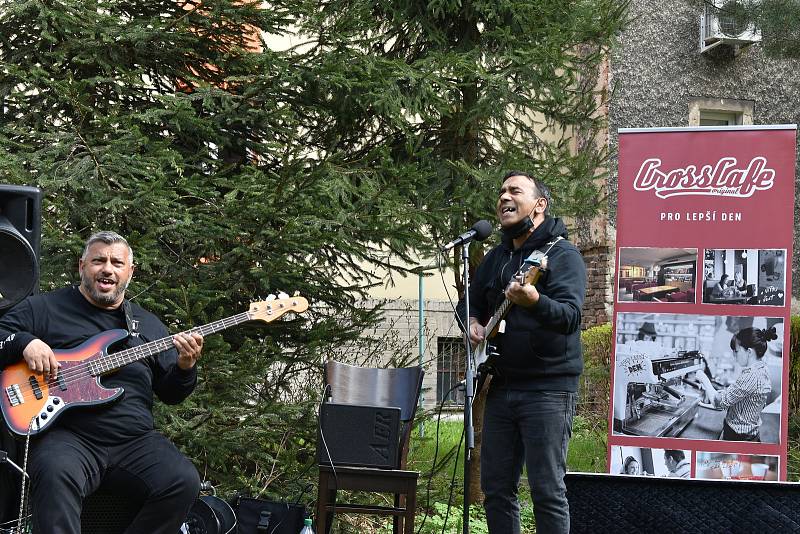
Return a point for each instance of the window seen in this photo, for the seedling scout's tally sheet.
(720, 112)
(450, 367)
(719, 118)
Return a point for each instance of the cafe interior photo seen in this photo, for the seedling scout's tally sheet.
(744, 276)
(656, 274)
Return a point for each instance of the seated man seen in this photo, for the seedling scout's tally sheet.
(719, 290)
(115, 443)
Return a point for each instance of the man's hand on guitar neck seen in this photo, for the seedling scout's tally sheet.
(477, 332)
(522, 295)
(189, 349)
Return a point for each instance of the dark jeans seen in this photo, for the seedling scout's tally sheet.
(65, 468)
(533, 427)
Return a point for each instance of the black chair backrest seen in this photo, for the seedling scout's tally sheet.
(370, 386)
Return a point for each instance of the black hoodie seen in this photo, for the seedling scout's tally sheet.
(541, 346)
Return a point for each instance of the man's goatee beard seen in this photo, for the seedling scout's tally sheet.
(106, 299)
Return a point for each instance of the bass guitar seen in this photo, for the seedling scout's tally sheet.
(32, 401)
(529, 273)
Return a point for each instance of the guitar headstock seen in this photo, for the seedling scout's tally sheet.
(273, 307)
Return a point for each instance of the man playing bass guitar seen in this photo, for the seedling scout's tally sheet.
(114, 443)
(532, 395)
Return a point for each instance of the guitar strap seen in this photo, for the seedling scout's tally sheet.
(133, 324)
(551, 244)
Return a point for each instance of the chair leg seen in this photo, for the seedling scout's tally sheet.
(411, 509)
(397, 521)
(325, 496)
(329, 515)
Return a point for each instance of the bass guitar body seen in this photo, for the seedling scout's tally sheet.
(30, 399)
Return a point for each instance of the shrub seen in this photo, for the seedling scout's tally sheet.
(596, 378)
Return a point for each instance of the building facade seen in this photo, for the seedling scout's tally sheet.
(658, 77)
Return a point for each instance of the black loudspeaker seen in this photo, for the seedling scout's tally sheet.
(20, 234)
(364, 436)
(611, 503)
(108, 513)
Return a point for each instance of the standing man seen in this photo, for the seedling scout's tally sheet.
(115, 444)
(531, 401)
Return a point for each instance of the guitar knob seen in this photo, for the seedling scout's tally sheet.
(56, 401)
(50, 408)
(43, 416)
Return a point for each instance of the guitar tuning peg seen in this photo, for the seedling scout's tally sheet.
(283, 295)
(270, 297)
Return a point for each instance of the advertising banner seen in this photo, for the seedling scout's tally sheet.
(702, 302)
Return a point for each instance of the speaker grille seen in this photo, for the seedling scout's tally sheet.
(108, 513)
(19, 270)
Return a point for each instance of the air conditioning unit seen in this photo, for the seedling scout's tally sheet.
(724, 22)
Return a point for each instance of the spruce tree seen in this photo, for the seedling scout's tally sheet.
(237, 170)
(778, 20)
(162, 121)
(461, 90)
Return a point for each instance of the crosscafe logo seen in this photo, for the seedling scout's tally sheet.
(725, 178)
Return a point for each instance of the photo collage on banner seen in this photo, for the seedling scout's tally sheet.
(702, 302)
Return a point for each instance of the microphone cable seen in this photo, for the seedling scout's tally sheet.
(465, 332)
(435, 457)
(453, 481)
(325, 393)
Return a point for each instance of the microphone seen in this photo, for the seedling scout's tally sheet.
(479, 231)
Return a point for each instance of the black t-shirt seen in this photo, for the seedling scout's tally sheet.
(64, 319)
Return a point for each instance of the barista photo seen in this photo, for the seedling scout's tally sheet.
(744, 276)
(641, 461)
(698, 377)
(730, 466)
(656, 274)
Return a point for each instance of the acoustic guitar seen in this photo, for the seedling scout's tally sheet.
(29, 400)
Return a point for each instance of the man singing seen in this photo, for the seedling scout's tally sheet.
(115, 444)
(531, 401)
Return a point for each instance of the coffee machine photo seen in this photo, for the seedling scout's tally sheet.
(654, 394)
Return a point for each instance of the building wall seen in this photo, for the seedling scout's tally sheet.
(657, 71)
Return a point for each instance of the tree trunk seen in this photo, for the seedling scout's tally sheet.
(475, 493)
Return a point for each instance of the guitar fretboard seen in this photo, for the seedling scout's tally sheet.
(498, 316)
(112, 362)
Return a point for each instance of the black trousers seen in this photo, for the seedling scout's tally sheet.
(65, 468)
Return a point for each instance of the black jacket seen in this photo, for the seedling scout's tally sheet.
(541, 346)
(64, 319)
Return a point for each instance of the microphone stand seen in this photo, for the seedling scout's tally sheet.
(469, 389)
